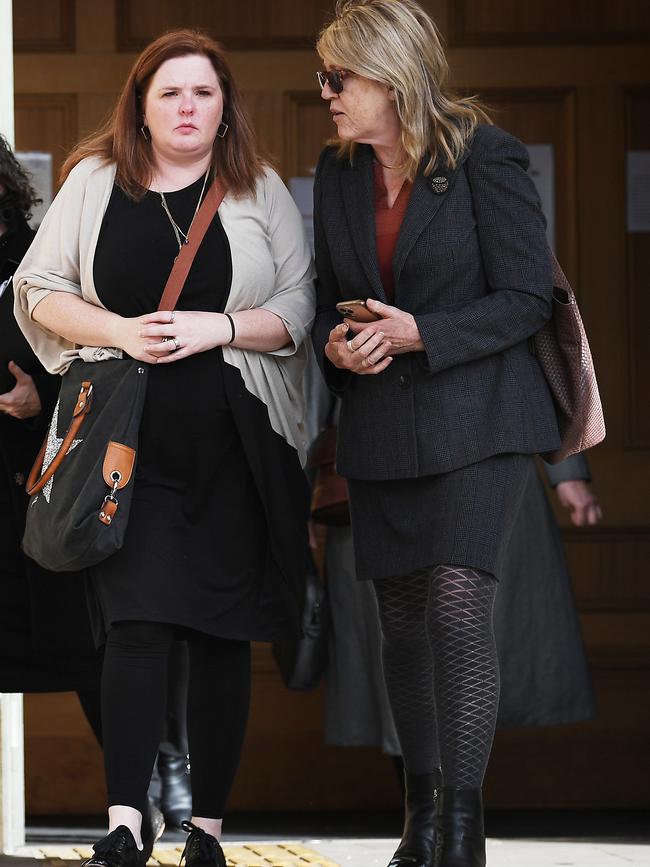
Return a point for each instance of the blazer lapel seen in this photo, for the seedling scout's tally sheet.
(358, 196)
(427, 197)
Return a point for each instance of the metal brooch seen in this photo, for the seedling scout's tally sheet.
(439, 185)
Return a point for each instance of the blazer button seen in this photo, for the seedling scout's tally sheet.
(405, 381)
(19, 479)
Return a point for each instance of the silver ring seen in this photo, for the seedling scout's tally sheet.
(164, 339)
(177, 344)
(349, 345)
(173, 317)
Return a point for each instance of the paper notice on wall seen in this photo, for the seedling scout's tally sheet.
(302, 190)
(39, 165)
(638, 191)
(542, 171)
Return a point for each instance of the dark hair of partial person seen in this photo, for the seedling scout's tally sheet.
(17, 181)
(396, 42)
(120, 140)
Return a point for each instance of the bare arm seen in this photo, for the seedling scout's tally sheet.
(259, 329)
(89, 325)
(196, 331)
(85, 324)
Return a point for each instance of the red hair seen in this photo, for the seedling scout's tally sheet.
(120, 140)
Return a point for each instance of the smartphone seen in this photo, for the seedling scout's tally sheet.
(357, 311)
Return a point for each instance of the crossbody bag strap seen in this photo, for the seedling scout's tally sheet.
(183, 262)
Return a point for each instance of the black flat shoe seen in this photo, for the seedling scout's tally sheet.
(176, 790)
(201, 849)
(461, 838)
(418, 844)
(117, 849)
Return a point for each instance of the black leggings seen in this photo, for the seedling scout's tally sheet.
(441, 669)
(134, 702)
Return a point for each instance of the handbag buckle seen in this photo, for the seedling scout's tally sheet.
(110, 505)
(85, 399)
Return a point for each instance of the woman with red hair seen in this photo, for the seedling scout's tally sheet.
(213, 549)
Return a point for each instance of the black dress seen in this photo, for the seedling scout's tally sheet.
(196, 549)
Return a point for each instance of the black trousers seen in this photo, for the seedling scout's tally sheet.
(134, 706)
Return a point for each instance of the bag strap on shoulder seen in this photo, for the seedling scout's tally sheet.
(183, 262)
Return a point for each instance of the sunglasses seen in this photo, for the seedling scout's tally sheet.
(334, 77)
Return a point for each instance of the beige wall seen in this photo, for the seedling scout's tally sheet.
(575, 75)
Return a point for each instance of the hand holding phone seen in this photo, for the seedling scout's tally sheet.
(357, 311)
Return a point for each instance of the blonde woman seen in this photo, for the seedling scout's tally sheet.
(215, 549)
(425, 212)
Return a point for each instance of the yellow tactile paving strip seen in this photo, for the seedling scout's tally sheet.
(237, 855)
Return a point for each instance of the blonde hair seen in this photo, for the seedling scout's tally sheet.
(120, 140)
(395, 42)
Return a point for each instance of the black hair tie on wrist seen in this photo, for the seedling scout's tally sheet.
(232, 327)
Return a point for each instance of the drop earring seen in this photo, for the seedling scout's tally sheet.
(222, 129)
(145, 132)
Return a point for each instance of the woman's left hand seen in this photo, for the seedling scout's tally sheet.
(577, 496)
(400, 329)
(174, 335)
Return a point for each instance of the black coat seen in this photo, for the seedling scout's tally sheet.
(471, 264)
(45, 640)
(544, 675)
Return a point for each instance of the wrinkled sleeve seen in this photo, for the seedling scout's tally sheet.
(51, 265)
(293, 299)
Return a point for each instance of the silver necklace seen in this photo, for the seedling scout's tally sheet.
(178, 232)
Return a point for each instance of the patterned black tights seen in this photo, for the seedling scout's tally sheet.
(441, 669)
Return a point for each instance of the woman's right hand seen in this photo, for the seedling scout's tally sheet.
(364, 354)
(129, 339)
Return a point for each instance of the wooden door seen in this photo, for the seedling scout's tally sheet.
(572, 75)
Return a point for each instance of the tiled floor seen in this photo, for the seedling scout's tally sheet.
(501, 853)
(559, 838)
(370, 853)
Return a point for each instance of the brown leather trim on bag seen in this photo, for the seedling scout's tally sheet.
(118, 459)
(107, 512)
(81, 410)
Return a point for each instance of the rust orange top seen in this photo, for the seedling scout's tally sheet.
(387, 225)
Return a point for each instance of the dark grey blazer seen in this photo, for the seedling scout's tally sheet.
(471, 265)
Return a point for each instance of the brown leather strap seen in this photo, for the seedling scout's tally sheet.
(183, 261)
(81, 409)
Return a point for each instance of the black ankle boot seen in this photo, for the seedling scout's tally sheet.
(201, 849)
(417, 847)
(461, 838)
(117, 849)
(176, 797)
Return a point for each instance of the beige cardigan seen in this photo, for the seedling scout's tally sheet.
(271, 269)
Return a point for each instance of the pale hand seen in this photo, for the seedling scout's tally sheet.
(364, 354)
(23, 400)
(143, 337)
(398, 327)
(580, 500)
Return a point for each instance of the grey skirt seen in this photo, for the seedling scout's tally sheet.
(544, 675)
(464, 518)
